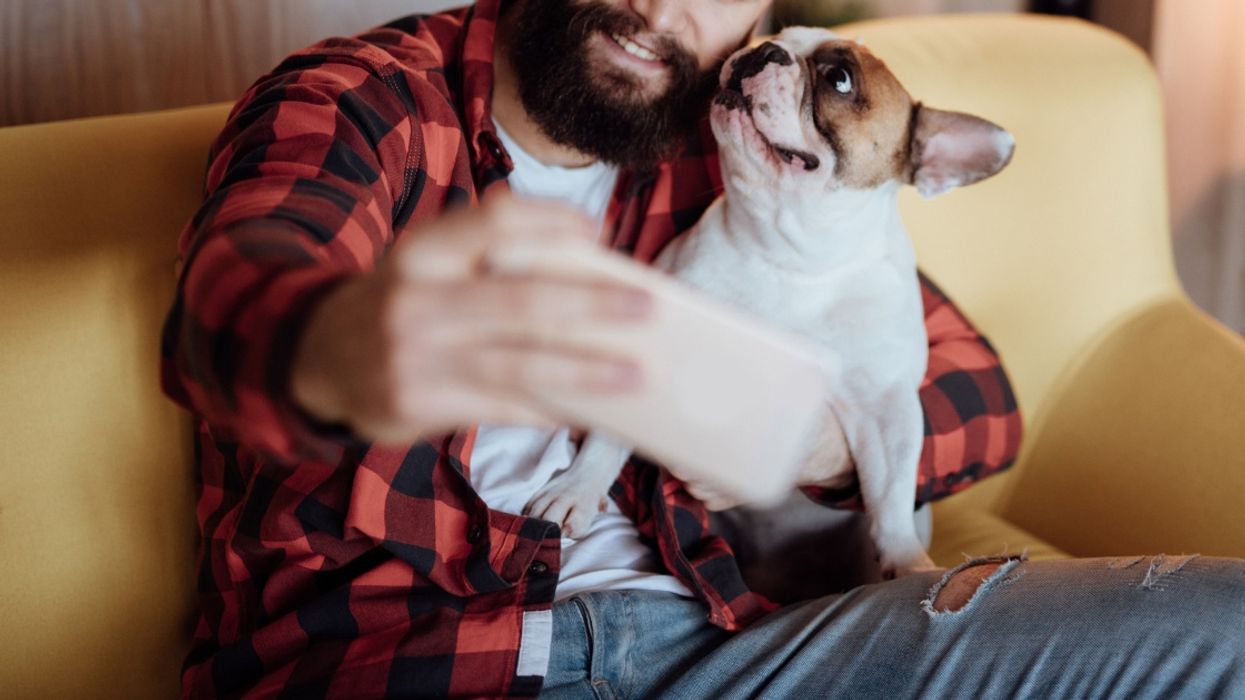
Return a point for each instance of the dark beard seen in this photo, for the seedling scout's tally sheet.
(606, 116)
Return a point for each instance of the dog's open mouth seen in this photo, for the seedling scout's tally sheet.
(732, 97)
(791, 155)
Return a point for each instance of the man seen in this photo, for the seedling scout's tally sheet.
(359, 373)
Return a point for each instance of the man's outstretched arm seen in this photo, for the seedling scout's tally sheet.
(303, 317)
(300, 193)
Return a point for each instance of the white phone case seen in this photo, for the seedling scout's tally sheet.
(728, 401)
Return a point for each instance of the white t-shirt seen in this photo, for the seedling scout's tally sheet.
(510, 463)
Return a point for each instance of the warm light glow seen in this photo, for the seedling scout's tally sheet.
(1200, 56)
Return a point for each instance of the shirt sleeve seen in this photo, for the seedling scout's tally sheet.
(972, 422)
(301, 193)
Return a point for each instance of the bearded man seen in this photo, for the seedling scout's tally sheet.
(366, 438)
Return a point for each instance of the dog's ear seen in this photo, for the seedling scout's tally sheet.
(951, 149)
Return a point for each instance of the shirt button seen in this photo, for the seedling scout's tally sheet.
(538, 567)
(494, 149)
(475, 534)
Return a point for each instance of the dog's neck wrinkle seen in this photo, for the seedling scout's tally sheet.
(813, 233)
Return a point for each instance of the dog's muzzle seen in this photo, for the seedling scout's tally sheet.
(731, 96)
(755, 61)
(749, 64)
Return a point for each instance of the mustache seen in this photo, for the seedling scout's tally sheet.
(595, 16)
(593, 106)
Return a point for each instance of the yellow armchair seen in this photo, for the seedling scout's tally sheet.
(1133, 399)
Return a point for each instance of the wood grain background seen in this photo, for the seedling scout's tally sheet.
(72, 58)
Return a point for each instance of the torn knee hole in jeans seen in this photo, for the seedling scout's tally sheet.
(961, 586)
(1161, 567)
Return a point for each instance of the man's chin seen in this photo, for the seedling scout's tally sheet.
(625, 97)
(587, 93)
(618, 85)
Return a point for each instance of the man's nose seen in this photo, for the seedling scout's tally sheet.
(662, 16)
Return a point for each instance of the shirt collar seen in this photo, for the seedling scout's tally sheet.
(491, 160)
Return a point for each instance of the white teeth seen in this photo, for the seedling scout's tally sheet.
(635, 49)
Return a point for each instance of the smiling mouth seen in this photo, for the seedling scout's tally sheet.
(639, 51)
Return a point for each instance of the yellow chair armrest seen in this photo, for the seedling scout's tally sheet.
(961, 532)
(1144, 450)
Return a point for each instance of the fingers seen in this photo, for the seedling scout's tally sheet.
(539, 221)
(516, 334)
(546, 370)
(456, 245)
(542, 301)
(468, 334)
(498, 384)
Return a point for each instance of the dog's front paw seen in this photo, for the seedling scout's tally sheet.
(914, 563)
(572, 505)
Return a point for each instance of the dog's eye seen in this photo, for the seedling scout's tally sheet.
(839, 77)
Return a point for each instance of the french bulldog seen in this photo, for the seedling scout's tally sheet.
(815, 137)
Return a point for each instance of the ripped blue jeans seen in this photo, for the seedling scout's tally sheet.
(1131, 627)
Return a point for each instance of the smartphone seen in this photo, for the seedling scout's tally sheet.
(728, 400)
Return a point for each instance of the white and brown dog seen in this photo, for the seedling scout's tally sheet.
(816, 136)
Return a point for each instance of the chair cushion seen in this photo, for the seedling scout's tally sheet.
(97, 531)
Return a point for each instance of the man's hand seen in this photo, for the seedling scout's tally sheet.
(432, 340)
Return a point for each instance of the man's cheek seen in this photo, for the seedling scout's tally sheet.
(723, 44)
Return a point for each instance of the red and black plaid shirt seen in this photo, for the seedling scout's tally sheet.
(332, 567)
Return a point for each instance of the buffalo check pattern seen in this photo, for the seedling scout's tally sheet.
(331, 567)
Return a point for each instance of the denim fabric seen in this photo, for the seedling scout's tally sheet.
(1132, 627)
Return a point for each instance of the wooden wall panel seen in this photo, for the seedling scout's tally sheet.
(72, 58)
(61, 59)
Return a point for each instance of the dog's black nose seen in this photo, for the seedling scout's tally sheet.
(755, 61)
(769, 52)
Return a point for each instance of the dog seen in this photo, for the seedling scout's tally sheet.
(815, 138)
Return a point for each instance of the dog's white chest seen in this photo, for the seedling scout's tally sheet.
(866, 309)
